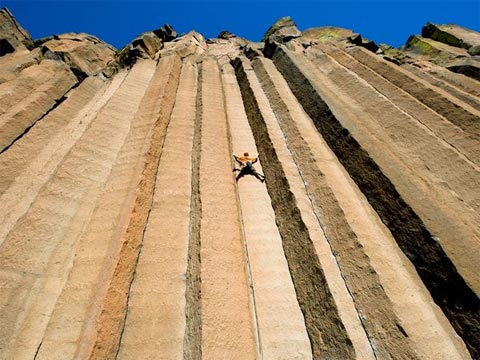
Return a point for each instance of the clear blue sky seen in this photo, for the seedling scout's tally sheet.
(118, 22)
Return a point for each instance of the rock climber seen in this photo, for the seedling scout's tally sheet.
(246, 166)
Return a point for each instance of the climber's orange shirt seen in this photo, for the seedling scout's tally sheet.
(245, 159)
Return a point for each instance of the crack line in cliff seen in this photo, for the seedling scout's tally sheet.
(55, 105)
(248, 269)
(322, 227)
(342, 274)
(110, 322)
(324, 327)
(122, 330)
(439, 275)
(139, 253)
(156, 131)
(303, 149)
(442, 105)
(408, 113)
(324, 232)
(192, 341)
(38, 350)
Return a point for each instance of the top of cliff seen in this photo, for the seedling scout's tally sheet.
(450, 46)
(12, 35)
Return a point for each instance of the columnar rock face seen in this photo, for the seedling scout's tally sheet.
(125, 234)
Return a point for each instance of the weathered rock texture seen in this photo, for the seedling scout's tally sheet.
(12, 35)
(124, 233)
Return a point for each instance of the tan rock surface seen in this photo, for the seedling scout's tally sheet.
(227, 329)
(23, 104)
(155, 322)
(454, 89)
(342, 113)
(12, 64)
(440, 53)
(398, 279)
(466, 165)
(452, 34)
(279, 321)
(83, 51)
(124, 233)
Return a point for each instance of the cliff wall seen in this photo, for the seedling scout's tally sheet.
(125, 234)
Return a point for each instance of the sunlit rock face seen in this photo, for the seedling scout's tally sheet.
(128, 229)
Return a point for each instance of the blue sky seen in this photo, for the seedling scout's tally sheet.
(118, 22)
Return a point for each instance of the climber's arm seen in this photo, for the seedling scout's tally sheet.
(237, 159)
